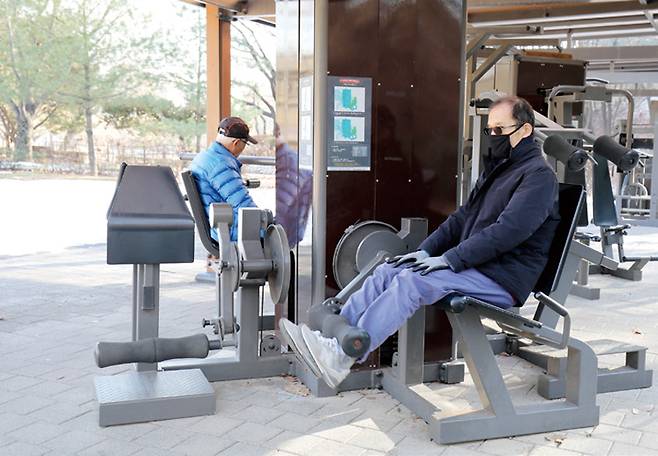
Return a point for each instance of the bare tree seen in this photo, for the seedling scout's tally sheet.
(248, 47)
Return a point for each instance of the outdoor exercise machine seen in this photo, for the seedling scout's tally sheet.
(149, 224)
(499, 417)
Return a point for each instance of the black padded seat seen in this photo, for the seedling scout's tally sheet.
(199, 213)
(456, 303)
(571, 200)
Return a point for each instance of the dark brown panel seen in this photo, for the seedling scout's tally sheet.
(436, 104)
(353, 28)
(412, 50)
(536, 77)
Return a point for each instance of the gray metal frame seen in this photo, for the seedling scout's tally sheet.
(180, 388)
(582, 260)
(147, 394)
(250, 359)
(499, 417)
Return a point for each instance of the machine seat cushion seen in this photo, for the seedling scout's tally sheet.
(457, 303)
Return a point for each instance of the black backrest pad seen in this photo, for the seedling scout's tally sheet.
(572, 198)
(199, 213)
(148, 221)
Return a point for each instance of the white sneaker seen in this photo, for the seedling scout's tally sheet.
(334, 364)
(292, 336)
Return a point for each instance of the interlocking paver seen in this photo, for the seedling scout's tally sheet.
(216, 425)
(11, 421)
(73, 441)
(203, 445)
(586, 444)
(258, 414)
(58, 412)
(254, 432)
(332, 448)
(23, 449)
(293, 442)
(617, 434)
(376, 440)
(550, 451)
(110, 447)
(37, 433)
(163, 438)
(19, 382)
(377, 421)
(248, 449)
(24, 405)
(505, 447)
(293, 422)
(623, 449)
(412, 446)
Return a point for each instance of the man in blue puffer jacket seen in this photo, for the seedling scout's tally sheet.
(217, 170)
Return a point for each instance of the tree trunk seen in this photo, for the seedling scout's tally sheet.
(89, 130)
(24, 126)
(66, 142)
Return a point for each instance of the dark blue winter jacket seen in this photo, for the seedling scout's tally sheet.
(506, 227)
(217, 173)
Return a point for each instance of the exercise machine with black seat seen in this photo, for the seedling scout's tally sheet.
(499, 416)
(149, 224)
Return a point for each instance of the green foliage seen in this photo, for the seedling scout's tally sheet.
(151, 115)
(68, 65)
(35, 45)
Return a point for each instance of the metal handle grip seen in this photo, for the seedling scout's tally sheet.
(324, 317)
(151, 350)
(560, 310)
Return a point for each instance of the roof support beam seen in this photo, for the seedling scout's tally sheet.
(537, 13)
(608, 53)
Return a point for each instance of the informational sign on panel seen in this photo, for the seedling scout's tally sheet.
(349, 123)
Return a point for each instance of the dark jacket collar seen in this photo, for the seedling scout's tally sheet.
(526, 148)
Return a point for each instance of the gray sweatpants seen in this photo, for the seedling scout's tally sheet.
(390, 296)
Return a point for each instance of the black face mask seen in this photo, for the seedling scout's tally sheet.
(498, 146)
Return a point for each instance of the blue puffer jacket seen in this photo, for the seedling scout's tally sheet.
(218, 179)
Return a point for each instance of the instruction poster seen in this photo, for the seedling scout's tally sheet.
(349, 123)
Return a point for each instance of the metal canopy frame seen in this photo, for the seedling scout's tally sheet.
(542, 23)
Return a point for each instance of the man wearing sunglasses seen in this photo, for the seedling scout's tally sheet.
(494, 247)
(217, 170)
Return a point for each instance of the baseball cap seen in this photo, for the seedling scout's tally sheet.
(234, 127)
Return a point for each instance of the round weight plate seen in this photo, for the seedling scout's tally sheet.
(373, 243)
(233, 272)
(344, 261)
(276, 248)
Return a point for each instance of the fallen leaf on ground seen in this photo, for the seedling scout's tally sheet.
(558, 439)
(295, 387)
(637, 331)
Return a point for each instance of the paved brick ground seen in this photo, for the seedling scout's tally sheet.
(54, 307)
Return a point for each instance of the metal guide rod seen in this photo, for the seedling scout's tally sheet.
(320, 51)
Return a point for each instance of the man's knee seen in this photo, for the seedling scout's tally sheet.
(385, 269)
(424, 286)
